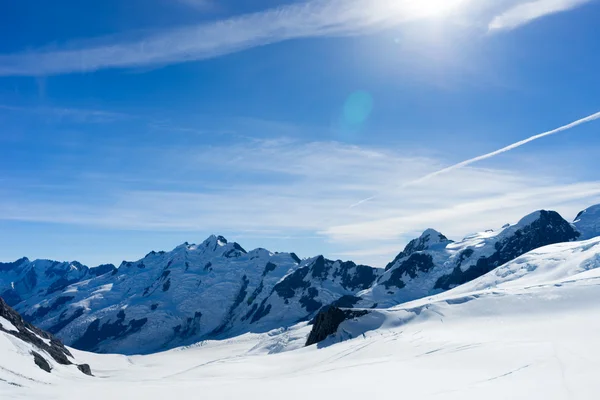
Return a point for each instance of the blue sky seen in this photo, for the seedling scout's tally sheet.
(135, 126)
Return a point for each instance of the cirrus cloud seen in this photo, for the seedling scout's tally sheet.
(521, 14)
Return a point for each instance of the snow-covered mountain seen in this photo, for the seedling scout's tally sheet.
(168, 299)
(528, 329)
(432, 263)
(217, 289)
(21, 279)
(587, 222)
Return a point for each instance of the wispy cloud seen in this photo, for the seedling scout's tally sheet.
(71, 114)
(316, 18)
(522, 14)
(282, 188)
(510, 147)
(486, 156)
(198, 4)
(207, 40)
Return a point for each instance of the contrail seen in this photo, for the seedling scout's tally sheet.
(465, 163)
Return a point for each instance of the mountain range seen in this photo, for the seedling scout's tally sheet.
(217, 289)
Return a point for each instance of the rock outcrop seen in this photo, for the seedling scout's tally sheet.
(327, 322)
(45, 345)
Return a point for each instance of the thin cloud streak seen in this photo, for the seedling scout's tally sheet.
(198, 4)
(304, 20)
(311, 19)
(73, 114)
(513, 146)
(523, 14)
(468, 162)
(289, 189)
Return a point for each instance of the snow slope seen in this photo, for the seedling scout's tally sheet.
(530, 330)
(217, 289)
(167, 299)
(31, 355)
(432, 263)
(554, 264)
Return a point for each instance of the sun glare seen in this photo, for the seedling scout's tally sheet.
(416, 9)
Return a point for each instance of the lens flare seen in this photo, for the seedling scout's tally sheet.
(358, 108)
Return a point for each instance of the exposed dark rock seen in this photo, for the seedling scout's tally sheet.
(190, 328)
(41, 361)
(60, 284)
(103, 269)
(346, 301)
(319, 267)
(417, 262)
(40, 339)
(466, 254)
(221, 239)
(308, 301)
(164, 275)
(85, 368)
(287, 287)
(43, 311)
(356, 277)
(261, 312)
(269, 268)
(233, 253)
(255, 294)
(63, 320)
(420, 244)
(328, 321)
(241, 295)
(239, 248)
(250, 312)
(96, 333)
(548, 228)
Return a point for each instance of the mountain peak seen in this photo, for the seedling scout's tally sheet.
(529, 219)
(587, 222)
(432, 236)
(427, 239)
(214, 240)
(544, 217)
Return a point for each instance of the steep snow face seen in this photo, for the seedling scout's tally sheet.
(25, 348)
(428, 266)
(22, 279)
(536, 336)
(587, 222)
